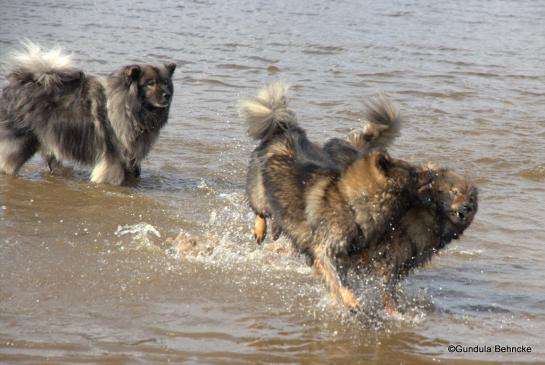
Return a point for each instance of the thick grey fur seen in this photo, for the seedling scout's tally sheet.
(69, 115)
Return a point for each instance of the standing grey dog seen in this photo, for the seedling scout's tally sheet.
(110, 123)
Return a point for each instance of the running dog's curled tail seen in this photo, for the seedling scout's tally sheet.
(49, 69)
(383, 125)
(267, 113)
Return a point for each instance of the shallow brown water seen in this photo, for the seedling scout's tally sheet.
(84, 278)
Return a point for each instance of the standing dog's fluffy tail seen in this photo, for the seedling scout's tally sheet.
(47, 68)
(267, 113)
(383, 125)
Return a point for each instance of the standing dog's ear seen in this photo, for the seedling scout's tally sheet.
(170, 68)
(132, 73)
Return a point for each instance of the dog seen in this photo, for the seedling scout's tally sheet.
(421, 232)
(447, 207)
(348, 205)
(334, 201)
(109, 123)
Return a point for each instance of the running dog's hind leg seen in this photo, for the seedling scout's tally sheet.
(276, 230)
(260, 228)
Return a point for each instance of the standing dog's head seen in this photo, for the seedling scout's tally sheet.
(139, 98)
(153, 82)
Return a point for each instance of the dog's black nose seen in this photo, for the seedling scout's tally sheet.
(464, 211)
(166, 95)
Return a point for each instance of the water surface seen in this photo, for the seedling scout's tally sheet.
(82, 282)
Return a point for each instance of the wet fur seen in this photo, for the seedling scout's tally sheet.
(342, 211)
(331, 205)
(423, 230)
(109, 123)
(444, 209)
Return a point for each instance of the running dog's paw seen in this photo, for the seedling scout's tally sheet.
(260, 229)
(350, 300)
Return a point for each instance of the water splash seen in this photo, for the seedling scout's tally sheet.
(140, 232)
(224, 242)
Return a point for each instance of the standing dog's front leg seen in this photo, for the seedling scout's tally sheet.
(136, 171)
(327, 270)
(132, 170)
(108, 170)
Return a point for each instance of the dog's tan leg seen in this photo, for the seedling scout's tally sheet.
(260, 228)
(326, 269)
(388, 295)
(390, 304)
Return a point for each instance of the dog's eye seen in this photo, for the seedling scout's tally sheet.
(151, 83)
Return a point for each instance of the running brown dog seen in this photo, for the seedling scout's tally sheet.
(349, 205)
(333, 202)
